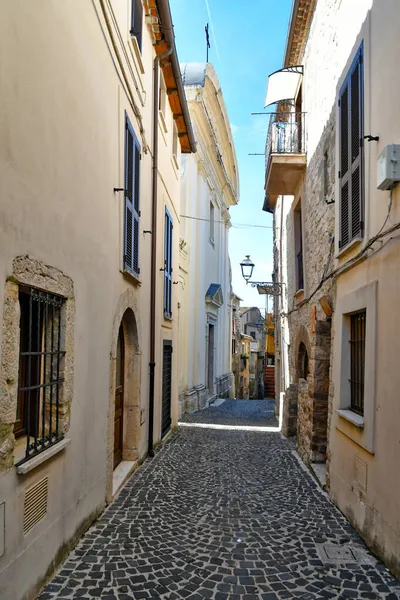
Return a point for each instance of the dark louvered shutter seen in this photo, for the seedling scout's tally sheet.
(166, 388)
(351, 153)
(132, 195)
(168, 264)
(137, 20)
(136, 207)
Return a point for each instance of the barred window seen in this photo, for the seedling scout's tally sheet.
(357, 361)
(41, 368)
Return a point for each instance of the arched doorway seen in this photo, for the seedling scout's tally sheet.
(119, 399)
(302, 362)
(125, 386)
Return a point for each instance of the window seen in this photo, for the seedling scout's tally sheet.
(212, 223)
(253, 334)
(233, 346)
(137, 21)
(175, 145)
(41, 368)
(357, 361)
(298, 245)
(132, 193)
(168, 265)
(351, 134)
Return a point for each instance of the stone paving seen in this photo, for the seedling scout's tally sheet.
(224, 515)
(236, 412)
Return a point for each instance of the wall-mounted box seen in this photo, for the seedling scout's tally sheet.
(388, 167)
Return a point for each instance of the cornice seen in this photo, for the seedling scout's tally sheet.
(299, 28)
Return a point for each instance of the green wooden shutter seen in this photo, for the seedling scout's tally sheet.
(132, 200)
(351, 103)
(168, 264)
(137, 21)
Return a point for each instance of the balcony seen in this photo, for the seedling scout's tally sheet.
(285, 153)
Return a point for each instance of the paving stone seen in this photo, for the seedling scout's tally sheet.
(220, 515)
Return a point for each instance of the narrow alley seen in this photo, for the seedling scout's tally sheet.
(222, 514)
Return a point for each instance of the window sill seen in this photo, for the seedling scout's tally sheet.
(299, 295)
(131, 276)
(352, 417)
(39, 459)
(350, 246)
(138, 54)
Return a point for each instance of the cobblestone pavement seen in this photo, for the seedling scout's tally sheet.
(222, 515)
(236, 412)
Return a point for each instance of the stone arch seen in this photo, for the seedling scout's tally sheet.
(302, 353)
(303, 365)
(125, 316)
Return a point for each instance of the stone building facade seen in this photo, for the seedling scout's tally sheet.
(236, 343)
(79, 210)
(334, 253)
(253, 325)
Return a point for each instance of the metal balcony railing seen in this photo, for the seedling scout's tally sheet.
(286, 134)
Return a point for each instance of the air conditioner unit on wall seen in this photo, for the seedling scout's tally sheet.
(388, 167)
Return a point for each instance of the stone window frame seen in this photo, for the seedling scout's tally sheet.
(358, 428)
(27, 271)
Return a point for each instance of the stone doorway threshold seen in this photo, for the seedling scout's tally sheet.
(121, 474)
(319, 471)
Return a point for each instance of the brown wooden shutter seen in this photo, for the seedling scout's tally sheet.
(132, 200)
(351, 153)
(137, 21)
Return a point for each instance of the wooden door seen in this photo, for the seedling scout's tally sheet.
(119, 400)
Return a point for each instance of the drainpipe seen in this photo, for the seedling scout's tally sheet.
(152, 363)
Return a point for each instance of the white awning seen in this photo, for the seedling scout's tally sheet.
(283, 84)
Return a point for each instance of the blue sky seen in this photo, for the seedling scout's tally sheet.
(249, 44)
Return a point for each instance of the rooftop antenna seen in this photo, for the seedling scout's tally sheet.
(207, 38)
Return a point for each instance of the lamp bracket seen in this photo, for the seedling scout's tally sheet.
(270, 288)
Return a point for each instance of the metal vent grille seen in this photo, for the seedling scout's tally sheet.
(35, 505)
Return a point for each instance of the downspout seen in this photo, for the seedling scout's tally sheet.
(152, 363)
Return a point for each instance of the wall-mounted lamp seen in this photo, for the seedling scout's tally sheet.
(247, 267)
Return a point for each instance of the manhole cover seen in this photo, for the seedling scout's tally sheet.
(343, 554)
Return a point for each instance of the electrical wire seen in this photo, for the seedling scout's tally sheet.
(347, 265)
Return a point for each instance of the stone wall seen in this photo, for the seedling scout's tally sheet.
(289, 417)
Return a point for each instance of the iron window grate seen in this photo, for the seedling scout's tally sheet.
(40, 370)
(357, 361)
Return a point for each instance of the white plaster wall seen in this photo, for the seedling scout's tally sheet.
(61, 155)
(203, 181)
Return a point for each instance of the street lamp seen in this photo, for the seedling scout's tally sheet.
(270, 288)
(247, 267)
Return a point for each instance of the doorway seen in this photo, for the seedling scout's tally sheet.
(211, 330)
(166, 388)
(119, 399)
